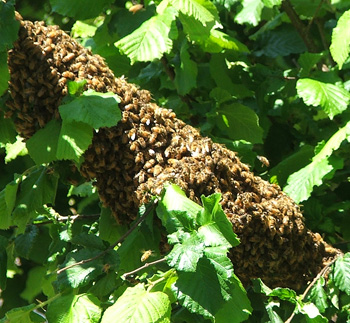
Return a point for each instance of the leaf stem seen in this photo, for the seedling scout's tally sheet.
(148, 264)
(111, 247)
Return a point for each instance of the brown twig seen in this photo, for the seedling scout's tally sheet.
(319, 275)
(299, 26)
(111, 247)
(314, 16)
(148, 264)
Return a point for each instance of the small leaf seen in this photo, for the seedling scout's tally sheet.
(93, 108)
(74, 139)
(331, 98)
(33, 283)
(74, 309)
(185, 255)
(5, 77)
(82, 274)
(239, 122)
(341, 273)
(318, 295)
(152, 39)
(8, 26)
(109, 229)
(79, 9)
(250, 13)
(340, 46)
(313, 313)
(42, 146)
(23, 314)
(136, 305)
(202, 10)
(186, 72)
(18, 148)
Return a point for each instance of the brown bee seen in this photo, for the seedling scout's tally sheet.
(150, 163)
(142, 142)
(134, 146)
(68, 57)
(135, 8)
(157, 169)
(152, 138)
(68, 75)
(139, 158)
(263, 160)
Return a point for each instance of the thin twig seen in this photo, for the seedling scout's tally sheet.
(314, 16)
(111, 247)
(148, 264)
(319, 275)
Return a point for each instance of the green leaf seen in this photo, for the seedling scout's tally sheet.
(42, 146)
(136, 305)
(79, 9)
(8, 26)
(7, 203)
(318, 295)
(74, 139)
(24, 314)
(250, 13)
(88, 240)
(212, 212)
(313, 313)
(300, 184)
(307, 61)
(3, 262)
(194, 29)
(18, 148)
(185, 255)
(332, 99)
(202, 10)
(341, 273)
(82, 274)
(33, 283)
(152, 39)
(93, 108)
(193, 287)
(239, 122)
(74, 309)
(110, 230)
(186, 72)
(218, 41)
(340, 46)
(5, 77)
(83, 30)
(272, 3)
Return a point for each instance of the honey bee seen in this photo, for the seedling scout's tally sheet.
(68, 75)
(263, 160)
(152, 138)
(92, 69)
(157, 170)
(150, 163)
(139, 158)
(41, 92)
(135, 8)
(142, 142)
(159, 158)
(134, 146)
(68, 57)
(132, 134)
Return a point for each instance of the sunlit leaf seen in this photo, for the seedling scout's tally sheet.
(136, 305)
(152, 39)
(332, 99)
(250, 13)
(18, 148)
(340, 46)
(72, 308)
(341, 273)
(24, 314)
(318, 295)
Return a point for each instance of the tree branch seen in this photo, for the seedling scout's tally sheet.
(148, 264)
(299, 26)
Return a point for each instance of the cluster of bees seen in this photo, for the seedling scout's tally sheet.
(131, 161)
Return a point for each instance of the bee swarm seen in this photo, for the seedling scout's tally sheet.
(149, 146)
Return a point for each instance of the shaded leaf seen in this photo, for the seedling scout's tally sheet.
(331, 98)
(136, 305)
(340, 46)
(5, 77)
(79, 9)
(8, 27)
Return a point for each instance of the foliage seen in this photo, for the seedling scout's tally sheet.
(264, 77)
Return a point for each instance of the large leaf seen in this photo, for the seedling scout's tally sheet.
(250, 13)
(300, 184)
(79, 9)
(82, 274)
(340, 46)
(332, 99)
(93, 108)
(23, 314)
(318, 295)
(8, 26)
(152, 39)
(136, 305)
(74, 309)
(341, 273)
(239, 122)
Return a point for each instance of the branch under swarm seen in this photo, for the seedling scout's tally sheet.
(131, 161)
